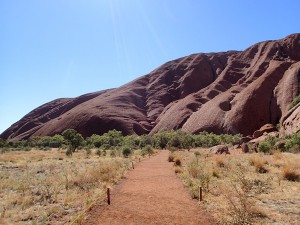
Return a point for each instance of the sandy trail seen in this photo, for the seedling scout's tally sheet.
(151, 194)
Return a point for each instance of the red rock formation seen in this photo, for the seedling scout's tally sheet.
(267, 128)
(291, 121)
(229, 92)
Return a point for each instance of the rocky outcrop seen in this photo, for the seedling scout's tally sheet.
(267, 128)
(219, 149)
(229, 92)
(291, 121)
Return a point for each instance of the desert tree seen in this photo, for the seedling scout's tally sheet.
(73, 139)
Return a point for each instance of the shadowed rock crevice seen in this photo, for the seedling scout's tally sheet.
(226, 92)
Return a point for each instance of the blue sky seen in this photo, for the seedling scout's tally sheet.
(64, 48)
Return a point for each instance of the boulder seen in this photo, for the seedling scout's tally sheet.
(246, 139)
(264, 137)
(257, 134)
(219, 149)
(245, 148)
(236, 146)
(267, 128)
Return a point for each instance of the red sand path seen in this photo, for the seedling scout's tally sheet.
(151, 194)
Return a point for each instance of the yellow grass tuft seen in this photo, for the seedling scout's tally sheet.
(290, 173)
(220, 160)
(258, 163)
(177, 162)
(177, 169)
(171, 157)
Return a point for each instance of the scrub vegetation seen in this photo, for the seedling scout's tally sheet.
(55, 180)
(240, 188)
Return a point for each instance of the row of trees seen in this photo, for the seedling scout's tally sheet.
(114, 139)
(72, 140)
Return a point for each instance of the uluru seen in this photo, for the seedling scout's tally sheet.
(227, 92)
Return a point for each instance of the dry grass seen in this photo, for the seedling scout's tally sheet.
(220, 160)
(246, 188)
(259, 163)
(46, 187)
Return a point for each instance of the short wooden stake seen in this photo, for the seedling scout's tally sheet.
(132, 165)
(108, 196)
(139, 159)
(200, 194)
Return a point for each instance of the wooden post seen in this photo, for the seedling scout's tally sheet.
(132, 165)
(108, 196)
(139, 159)
(200, 194)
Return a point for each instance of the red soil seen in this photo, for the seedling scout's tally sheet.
(151, 194)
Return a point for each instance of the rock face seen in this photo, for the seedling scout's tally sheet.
(228, 92)
(291, 121)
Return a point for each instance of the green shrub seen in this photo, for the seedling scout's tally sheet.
(3, 143)
(126, 151)
(3, 150)
(98, 152)
(295, 101)
(264, 147)
(292, 143)
(73, 139)
(147, 150)
(106, 146)
(113, 153)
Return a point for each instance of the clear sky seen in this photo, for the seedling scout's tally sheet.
(64, 48)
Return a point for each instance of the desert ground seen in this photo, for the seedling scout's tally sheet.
(47, 187)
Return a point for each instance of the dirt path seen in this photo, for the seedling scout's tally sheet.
(152, 194)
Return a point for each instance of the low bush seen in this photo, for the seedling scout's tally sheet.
(260, 167)
(295, 101)
(264, 147)
(147, 150)
(258, 163)
(171, 157)
(292, 143)
(113, 153)
(126, 151)
(177, 162)
(290, 173)
(178, 169)
(220, 161)
(98, 152)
